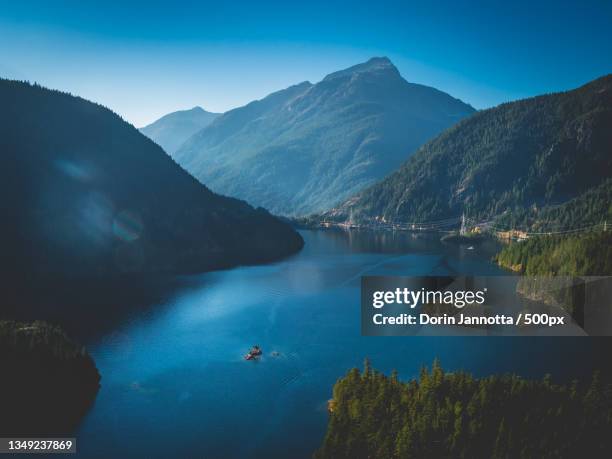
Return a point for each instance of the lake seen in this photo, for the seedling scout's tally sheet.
(175, 384)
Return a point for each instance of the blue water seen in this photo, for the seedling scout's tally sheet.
(175, 383)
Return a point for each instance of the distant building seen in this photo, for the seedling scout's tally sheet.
(512, 234)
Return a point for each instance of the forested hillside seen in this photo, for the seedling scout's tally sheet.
(84, 194)
(592, 208)
(533, 153)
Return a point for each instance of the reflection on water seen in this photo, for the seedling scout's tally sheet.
(175, 383)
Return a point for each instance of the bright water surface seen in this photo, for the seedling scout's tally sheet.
(175, 384)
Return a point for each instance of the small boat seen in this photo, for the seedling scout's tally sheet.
(471, 247)
(253, 353)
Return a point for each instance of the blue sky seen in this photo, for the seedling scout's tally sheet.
(146, 59)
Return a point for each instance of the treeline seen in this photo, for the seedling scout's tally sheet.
(587, 254)
(48, 381)
(456, 415)
(591, 208)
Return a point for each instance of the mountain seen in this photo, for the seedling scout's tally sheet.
(310, 146)
(83, 194)
(533, 154)
(171, 130)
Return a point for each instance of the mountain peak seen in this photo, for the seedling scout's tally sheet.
(171, 130)
(303, 149)
(379, 65)
(379, 60)
(199, 110)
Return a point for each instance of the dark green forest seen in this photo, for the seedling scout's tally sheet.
(588, 254)
(551, 267)
(589, 209)
(535, 153)
(83, 193)
(90, 205)
(47, 382)
(455, 415)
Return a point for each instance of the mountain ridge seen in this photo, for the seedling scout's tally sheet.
(173, 129)
(377, 64)
(539, 151)
(306, 147)
(88, 195)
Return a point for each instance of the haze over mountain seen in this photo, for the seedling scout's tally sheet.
(84, 194)
(308, 147)
(529, 159)
(171, 130)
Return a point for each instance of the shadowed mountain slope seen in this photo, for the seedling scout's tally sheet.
(85, 194)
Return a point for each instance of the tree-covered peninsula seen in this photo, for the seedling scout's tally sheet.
(552, 269)
(47, 383)
(444, 415)
(587, 254)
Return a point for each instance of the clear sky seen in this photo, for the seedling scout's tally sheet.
(146, 59)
